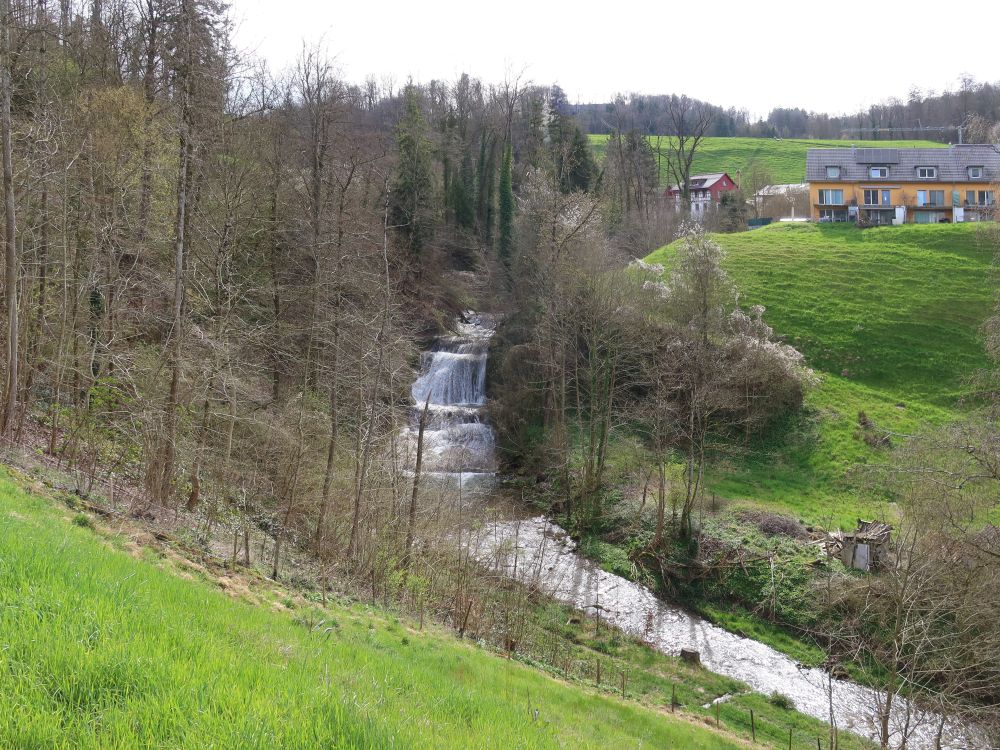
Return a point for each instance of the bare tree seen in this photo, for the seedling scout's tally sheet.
(687, 122)
(10, 228)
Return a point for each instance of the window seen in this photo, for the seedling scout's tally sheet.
(975, 173)
(979, 198)
(831, 197)
(878, 172)
(927, 173)
(875, 197)
(833, 172)
(930, 197)
(832, 214)
(928, 217)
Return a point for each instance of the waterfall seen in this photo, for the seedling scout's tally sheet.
(459, 443)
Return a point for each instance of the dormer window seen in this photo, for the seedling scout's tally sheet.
(833, 172)
(927, 173)
(975, 173)
(878, 173)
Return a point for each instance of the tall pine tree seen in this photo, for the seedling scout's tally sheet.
(506, 248)
(413, 187)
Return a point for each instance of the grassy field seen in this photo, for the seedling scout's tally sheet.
(785, 159)
(888, 317)
(106, 644)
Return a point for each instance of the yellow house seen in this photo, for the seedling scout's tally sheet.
(872, 186)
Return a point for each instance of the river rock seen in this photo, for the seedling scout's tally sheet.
(691, 656)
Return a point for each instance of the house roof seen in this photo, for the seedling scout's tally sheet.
(952, 163)
(702, 181)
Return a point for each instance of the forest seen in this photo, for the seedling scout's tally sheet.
(962, 114)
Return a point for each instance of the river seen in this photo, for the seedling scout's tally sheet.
(459, 448)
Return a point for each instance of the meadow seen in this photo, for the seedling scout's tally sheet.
(785, 159)
(108, 644)
(890, 320)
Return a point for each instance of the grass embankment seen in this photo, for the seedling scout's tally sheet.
(785, 159)
(890, 320)
(100, 648)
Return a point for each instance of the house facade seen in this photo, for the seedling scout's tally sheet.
(874, 186)
(706, 192)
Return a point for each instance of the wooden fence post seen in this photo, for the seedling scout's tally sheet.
(753, 727)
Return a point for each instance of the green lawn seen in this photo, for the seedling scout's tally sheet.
(103, 649)
(784, 158)
(888, 317)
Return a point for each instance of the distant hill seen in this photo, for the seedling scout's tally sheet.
(785, 158)
(890, 318)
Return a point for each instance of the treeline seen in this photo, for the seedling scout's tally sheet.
(218, 275)
(971, 105)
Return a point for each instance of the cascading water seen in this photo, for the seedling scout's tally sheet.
(459, 446)
(458, 440)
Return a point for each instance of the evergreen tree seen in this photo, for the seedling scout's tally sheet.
(485, 182)
(413, 187)
(506, 207)
(460, 195)
(580, 169)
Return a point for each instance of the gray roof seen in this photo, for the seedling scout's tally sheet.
(952, 163)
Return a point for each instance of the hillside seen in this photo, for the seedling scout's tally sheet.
(109, 644)
(785, 159)
(888, 317)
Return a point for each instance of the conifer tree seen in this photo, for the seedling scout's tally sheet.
(460, 195)
(506, 207)
(413, 187)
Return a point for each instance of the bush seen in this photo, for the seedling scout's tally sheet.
(782, 701)
(83, 521)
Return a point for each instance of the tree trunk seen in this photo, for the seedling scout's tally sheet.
(412, 521)
(10, 231)
(185, 151)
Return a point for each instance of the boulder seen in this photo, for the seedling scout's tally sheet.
(691, 656)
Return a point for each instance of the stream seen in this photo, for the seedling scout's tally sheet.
(459, 449)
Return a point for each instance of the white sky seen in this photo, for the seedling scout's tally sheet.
(831, 56)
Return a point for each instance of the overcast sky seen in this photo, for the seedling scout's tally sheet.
(825, 56)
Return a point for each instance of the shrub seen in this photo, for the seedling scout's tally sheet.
(782, 701)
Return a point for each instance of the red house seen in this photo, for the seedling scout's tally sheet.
(706, 191)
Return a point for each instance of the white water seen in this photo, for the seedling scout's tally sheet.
(460, 449)
(459, 443)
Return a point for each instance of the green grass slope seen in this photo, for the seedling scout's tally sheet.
(889, 318)
(99, 649)
(784, 158)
